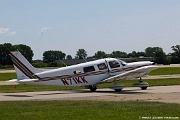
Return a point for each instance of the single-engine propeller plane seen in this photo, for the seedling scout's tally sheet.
(88, 74)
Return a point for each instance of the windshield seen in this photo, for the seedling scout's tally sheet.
(114, 64)
(122, 62)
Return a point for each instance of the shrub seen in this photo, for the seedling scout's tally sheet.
(39, 64)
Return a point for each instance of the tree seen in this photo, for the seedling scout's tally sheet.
(100, 54)
(4, 53)
(157, 53)
(25, 51)
(81, 53)
(6, 47)
(176, 54)
(119, 54)
(69, 57)
(136, 54)
(133, 54)
(52, 56)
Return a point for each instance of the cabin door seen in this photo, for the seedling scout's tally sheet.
(114, 67)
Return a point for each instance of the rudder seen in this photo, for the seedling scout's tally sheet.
(23, 68)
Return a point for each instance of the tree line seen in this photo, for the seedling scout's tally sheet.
(6, 47)
(49, 57)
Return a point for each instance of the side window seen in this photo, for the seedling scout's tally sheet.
(89, 69)
(114, 64)
(102, 66)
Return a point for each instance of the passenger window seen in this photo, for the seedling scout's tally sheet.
(102, 66)
(89, 69)
(114, 64)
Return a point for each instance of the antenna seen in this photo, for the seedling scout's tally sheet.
(63, 62)
(84, 59)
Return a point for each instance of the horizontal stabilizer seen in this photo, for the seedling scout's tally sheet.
(22, 81)
(13, 80)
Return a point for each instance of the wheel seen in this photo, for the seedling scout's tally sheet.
(117, 90)
(93, 89)
(143, 88)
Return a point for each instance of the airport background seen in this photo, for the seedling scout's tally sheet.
(57, 58)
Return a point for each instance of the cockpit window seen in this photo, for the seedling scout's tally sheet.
(114, 64)
(102, 66)
(122, 62)
(89, 69)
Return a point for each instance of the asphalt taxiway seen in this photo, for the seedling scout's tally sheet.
(168, 94)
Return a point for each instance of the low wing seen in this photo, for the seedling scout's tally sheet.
(136, 73)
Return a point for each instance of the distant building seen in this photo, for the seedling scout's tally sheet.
(74, 61)
(78, 61)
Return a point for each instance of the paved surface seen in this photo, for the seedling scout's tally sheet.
(171, 65)
(7, 71)
(8, 83)
(161, 76)
(168, 94)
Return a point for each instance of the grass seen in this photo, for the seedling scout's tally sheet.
(32, 88)
(86, 110)
(7, 76)
(126, 83)
(165, 71)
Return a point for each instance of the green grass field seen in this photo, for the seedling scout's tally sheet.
(126, 83)
(165, 71)
(7, 76)
(32, 88)
(86, 110)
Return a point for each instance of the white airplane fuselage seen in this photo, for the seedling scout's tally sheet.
(85, 74)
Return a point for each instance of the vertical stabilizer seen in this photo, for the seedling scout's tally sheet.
(24, 69)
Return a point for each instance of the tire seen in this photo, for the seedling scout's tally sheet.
(93, 89)
(117, 90)
(143, 88)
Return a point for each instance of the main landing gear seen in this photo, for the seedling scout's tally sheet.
(142, 84)
(117, 87)
(92, 88)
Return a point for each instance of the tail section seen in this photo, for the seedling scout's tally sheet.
(24, 69)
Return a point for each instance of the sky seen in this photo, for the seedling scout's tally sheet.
(93, 25)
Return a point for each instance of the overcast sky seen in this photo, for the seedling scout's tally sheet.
(106, 25)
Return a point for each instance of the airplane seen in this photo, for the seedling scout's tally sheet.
(88, 74)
